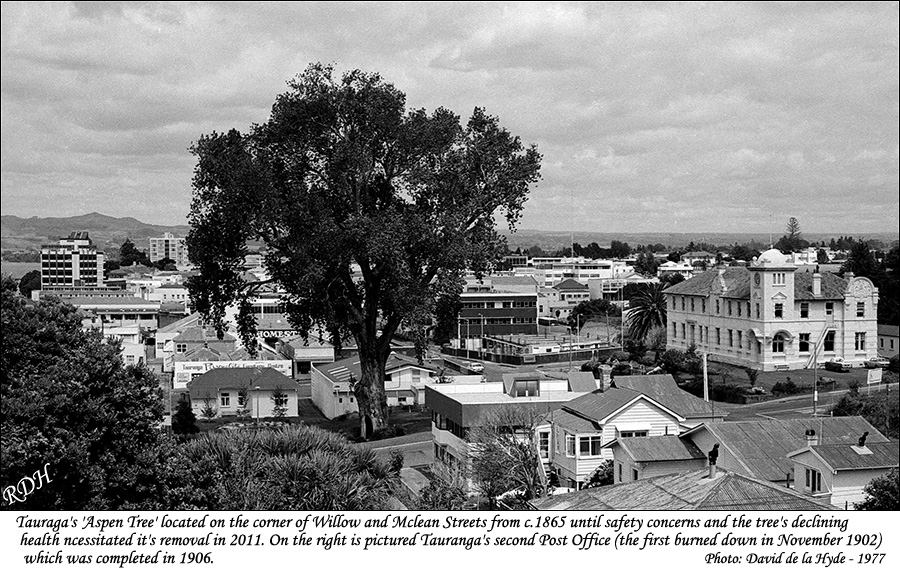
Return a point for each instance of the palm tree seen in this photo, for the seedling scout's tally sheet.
(647, 311)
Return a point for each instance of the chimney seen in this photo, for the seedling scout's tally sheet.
(817, 283)
(849, 275)
(862, 439)
(811, 438)
(713, 458)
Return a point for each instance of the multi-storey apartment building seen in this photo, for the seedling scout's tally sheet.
(74, 262)
(769, 316)
(169, 247)
(497, 306)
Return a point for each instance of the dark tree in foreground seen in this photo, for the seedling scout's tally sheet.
(882, 493)
(67, 400)
(647, 311)
(369, 212)
(184, 421)
(30, 282)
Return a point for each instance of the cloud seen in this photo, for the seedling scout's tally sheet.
(665, 117)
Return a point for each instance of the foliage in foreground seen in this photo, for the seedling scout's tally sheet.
(294, 468)
(882, 493)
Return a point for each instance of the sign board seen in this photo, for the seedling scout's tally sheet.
(874, 376)
(187, 370)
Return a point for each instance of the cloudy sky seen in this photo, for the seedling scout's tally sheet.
(650, 117)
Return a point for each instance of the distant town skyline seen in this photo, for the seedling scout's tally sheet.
(677, 118)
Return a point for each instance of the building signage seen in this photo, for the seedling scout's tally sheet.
(187, 370)
(874, 376)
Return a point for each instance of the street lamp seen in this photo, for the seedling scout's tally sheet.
(257, 389)
(481, 343)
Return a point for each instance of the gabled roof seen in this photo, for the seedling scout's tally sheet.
(663, 389)
(341, 371)
(849, 457)
(599, 406)
(685, 491)
(658, 448)
(200, 335)
(180, 324)
(888, 330)
(201, 353)
(569, 284)
(761, 446)
(237, 378)
(574, 424)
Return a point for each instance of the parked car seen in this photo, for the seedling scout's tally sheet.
(878, 363)
(838, 365)
(475, 367)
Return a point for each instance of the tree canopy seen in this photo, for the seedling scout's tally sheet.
(592, 310)
(647, 311)
(67, 400)
(369, 212)
(882, 493)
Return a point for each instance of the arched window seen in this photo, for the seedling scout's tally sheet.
(778, 343)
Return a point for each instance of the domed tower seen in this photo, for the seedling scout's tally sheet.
(772, 286)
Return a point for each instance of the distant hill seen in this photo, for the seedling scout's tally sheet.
(107, 232)
(550, 241)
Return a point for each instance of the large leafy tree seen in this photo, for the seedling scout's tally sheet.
(68, 401)
(369, 212)
(882, 493)
(647, 311)
(592, 310)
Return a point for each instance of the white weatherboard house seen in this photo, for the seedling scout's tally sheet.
(838, 473)
(771, 317)
(331, 383)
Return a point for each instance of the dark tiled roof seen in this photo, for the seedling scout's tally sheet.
(662, 389)
(199, 335)
(570, 284)
(685, 491)
(217, 379)
(737, 281)
(762, 446)
(888, 330)
(660, 448)
(846, 457)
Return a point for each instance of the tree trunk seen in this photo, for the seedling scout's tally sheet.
(370, 397)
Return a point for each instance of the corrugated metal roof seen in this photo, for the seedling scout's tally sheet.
(660, 448)
(582, 381)
(685, 491)
(598, 405)
(569, 284)
(851, 457)
(340, 371)
(763, 445)
(574, 424)
(664, 390)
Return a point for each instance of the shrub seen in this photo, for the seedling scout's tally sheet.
(620, 356)
(894, 365)
(728, 393)
(787, 387)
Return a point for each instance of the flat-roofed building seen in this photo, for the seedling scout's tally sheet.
(72, 263)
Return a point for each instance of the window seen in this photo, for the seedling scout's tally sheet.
(860, 309)
(544, 444)
(634, 434)
(829, 308)
(860, 341)
(757, 311)
(729, 307)
(804, 310)
(739, 310)
(674, 330)
(280, 399)
(778, 279)
(225, 399)
(828, 343)
(682, 303)
(730, 338)
(701, 333)
(634, 474)
(718, 336)
(740, 339)
(692, 305)
(570, 445)
(813, 481)
(804, 343)
(778, 343)
(181, 347)
(703, 305)
(590, 445)
(620, 471)
(241, 399)
(779, 310)
(717, 307)
(683, 334)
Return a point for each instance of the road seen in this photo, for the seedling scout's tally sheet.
(799, 406)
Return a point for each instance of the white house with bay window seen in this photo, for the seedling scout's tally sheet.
(770, 317)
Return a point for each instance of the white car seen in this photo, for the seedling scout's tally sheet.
(475, 367)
